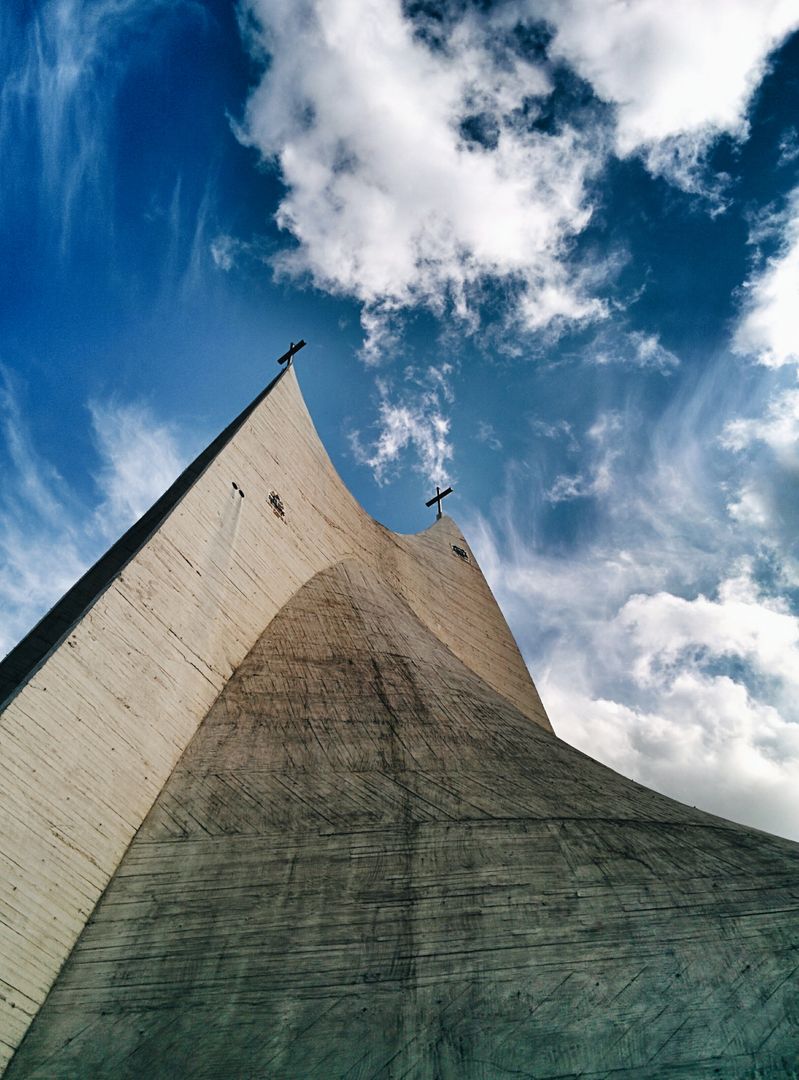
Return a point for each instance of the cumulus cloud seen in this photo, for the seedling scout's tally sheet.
(751, 505)
(415, 172)
(411, 418)
(48, 534)
(766, 435)
(670, 632)
(640, 683)
(777, 428)
(679, 75)
(708, 743)
(768, 329)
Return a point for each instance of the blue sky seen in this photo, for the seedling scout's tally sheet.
(545, 251)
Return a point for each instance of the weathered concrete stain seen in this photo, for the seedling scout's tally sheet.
(368, 863)
(102, 698)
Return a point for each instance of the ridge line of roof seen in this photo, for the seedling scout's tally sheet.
(27, 656)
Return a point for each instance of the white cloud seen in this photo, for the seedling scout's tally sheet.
(788, 147)
(223, 251)
(34, 569)
(411, 419)
(48, 535)
(766, 440)
(487, 435)
(390, 200)
(707, 743)
(140, 459)
(768, 328)
(413, 170)
(663, 629)
(633, 680)
(650, 353)
(598, 480)
(560, 429)
(777, 428)
(764, 494)
(51, 88)
(751, 506)
(680, 74)
(634, 348)
(663, 638)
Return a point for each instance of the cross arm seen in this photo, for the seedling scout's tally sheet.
(292, 349)
(439, 496)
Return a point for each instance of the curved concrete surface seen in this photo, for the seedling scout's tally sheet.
(368, 863)
(102, 698)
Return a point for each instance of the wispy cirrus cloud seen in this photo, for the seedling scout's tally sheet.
(412, 420)
(48, 534)
(598, 478)
(488, 436)
(665, 638)
(631, 348)
(66, 63)
(139, 459)
(788, 147)
(34, 513)
(62, 73)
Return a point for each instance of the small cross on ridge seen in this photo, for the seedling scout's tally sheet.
(439, 495)
(286, 358)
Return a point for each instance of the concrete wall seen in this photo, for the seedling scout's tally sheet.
(101, 715)
(368, 864)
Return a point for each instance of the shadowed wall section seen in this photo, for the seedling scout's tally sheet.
(368, 863)
(101, 699)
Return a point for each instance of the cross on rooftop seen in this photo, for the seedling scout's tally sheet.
(439, 495)
(292, 349)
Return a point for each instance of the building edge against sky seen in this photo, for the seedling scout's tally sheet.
(544, 877)
(102, 697)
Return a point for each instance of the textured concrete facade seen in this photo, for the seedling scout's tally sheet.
(357, 847)
(101, 699)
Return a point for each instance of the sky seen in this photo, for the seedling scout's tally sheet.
(544, 250)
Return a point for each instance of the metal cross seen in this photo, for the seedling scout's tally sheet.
(439, 495)
(287, 356)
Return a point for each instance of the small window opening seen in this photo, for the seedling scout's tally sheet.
(278, 509)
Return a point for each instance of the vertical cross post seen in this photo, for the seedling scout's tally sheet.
(439, 495)
(286, 358)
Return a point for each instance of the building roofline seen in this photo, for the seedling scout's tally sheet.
(28, 655)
